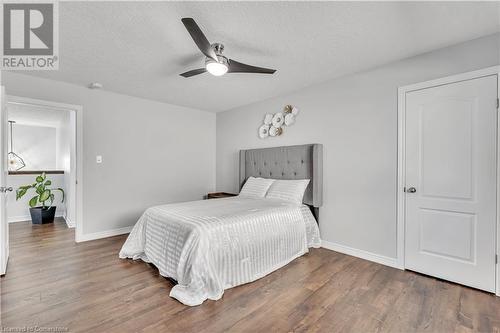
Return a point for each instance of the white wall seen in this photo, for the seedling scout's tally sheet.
(355, 118)
(36, 145)
(153, 153)
(66, 161)
(19, 210)
(63, 135)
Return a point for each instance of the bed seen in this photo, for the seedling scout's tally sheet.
(208, 246)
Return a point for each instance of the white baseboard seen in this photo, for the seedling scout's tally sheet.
(103, 234)
(24, 218)
(387, 261)
(69, 223)
(3, 268)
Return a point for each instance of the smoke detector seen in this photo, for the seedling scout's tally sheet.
(95, 85)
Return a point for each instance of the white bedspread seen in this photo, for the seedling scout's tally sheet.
(212, 245)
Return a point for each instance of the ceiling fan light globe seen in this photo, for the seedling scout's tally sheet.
(216, 69)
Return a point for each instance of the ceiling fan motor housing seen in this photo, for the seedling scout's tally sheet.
(221, 58)
(218, 48)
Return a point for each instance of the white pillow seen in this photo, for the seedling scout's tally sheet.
(288, 190)
(256, 187)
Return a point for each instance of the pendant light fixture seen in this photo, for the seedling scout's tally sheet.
(15, 161)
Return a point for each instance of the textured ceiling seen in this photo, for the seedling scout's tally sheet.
(139, 48)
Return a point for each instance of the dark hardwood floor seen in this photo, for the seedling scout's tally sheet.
(53, 282)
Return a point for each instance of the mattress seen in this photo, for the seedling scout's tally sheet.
(212, 245)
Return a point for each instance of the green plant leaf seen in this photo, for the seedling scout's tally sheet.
(33, 201)
(40, 188)
(44, 196)
(20, 193)
(39, 179)
(48, 182)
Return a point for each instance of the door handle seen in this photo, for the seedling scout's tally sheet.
(4, 189)
(411, 190)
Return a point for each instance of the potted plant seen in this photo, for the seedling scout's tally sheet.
(44, 213)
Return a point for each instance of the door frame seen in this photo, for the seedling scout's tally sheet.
(4, 224)
(78, 109)
(401, 167)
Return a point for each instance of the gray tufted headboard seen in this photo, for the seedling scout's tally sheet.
(287, 162)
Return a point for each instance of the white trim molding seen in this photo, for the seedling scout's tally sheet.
(25, 218)
(494, 70)
(103, 234)
(370, 256)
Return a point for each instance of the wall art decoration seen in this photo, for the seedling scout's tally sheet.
(274, 124)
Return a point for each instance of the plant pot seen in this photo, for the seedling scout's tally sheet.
(40, 215)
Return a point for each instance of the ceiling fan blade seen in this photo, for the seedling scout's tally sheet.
(199, 38)
(194, 72)
(238, 67)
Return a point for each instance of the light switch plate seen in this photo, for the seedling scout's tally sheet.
(98, 159)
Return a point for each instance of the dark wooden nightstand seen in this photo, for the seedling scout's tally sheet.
(218, 195)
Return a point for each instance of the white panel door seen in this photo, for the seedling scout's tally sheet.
(451, 134)
(4, 226)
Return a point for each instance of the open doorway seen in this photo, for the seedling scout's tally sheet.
(41, 141)
(44, 135)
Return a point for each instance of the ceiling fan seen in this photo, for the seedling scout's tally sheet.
(215, 63)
